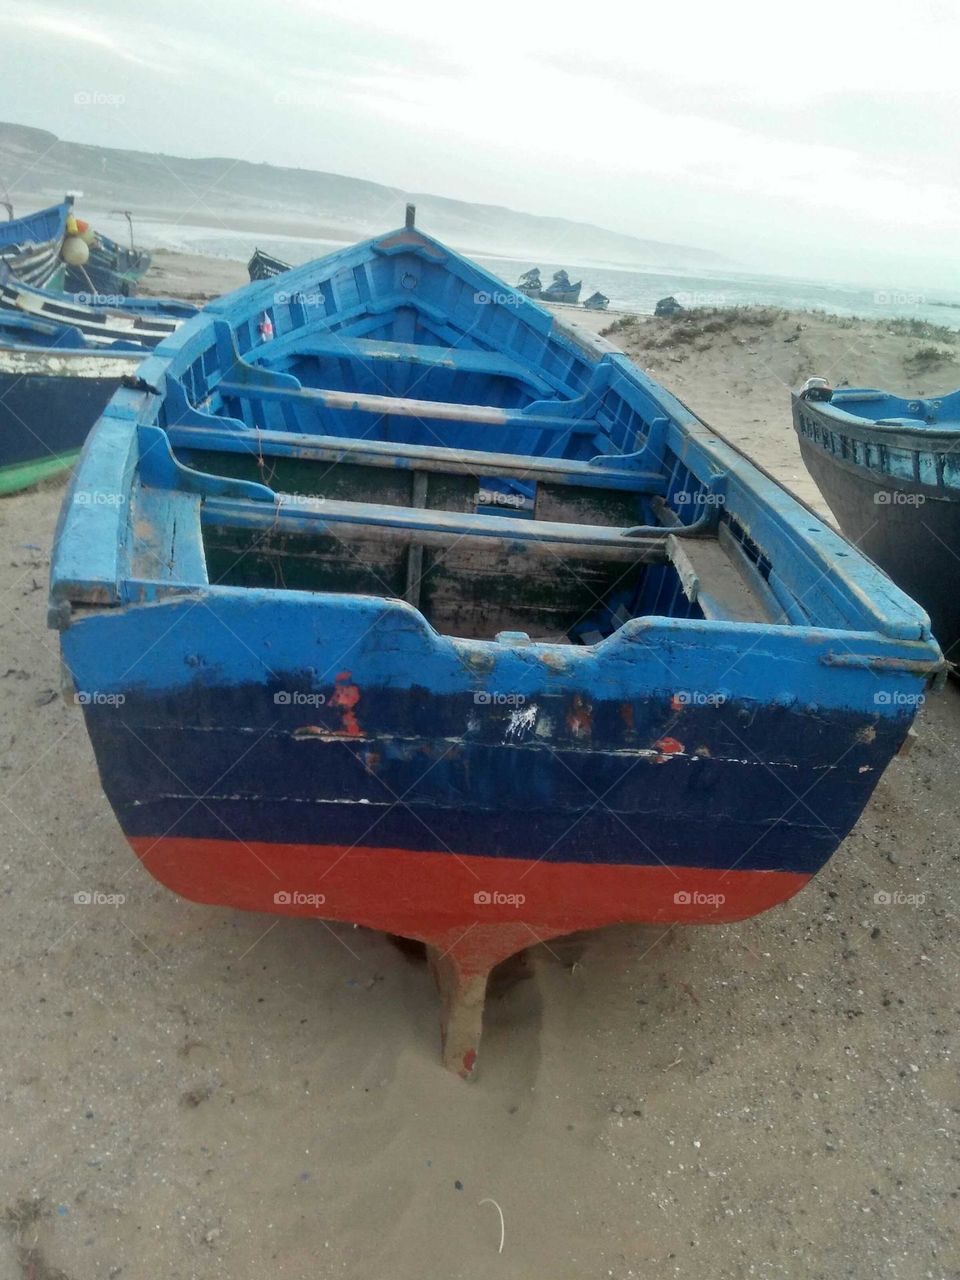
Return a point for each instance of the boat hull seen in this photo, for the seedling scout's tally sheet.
(560, 295)
(633, 807)
(911, 530)
(48, 403)
(323, 675)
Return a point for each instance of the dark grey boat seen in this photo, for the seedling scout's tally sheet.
(889, 469)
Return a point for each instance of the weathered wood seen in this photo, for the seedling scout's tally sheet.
(403, 525)
(462, 997)
(377, 453)
(415, 550)
(711, 580)
(402, 407)
(573, 504)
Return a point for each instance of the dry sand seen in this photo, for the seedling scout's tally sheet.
(192, 1092)
(193, 276)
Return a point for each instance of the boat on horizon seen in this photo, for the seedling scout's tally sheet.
(889, 469)
(561, 289)
(324, 675)
(264, 266)
(530, 283)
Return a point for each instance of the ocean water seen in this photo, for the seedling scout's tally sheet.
(629, 289)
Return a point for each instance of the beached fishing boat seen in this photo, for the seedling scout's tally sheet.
(324, 676)
(30, 247)
(146, 321)
(530, 284)
(561, 289)
(596, 302)
(113, 270)
(53, 387)
(889, 469)
(264, 266)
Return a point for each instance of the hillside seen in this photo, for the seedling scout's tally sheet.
(265, 198)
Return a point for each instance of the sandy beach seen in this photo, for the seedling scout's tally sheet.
(193, 1092)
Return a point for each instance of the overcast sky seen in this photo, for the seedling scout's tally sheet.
(815, 138)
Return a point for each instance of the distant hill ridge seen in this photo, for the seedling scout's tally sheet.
(268, 198)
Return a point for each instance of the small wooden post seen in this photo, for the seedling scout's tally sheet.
(411, 216)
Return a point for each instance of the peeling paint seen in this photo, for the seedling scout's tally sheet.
(667, 749)
(346, 696)
(580, 717)
(520, 721)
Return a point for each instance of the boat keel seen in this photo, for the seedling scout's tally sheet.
(462, 997)
(461, 970)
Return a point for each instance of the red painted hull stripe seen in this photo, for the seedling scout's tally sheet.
(432, 896)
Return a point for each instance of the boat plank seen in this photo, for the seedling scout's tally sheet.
(434, 527)
(711, 579)
(403, 407)
(375, 453)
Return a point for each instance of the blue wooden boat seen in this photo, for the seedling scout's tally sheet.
(113, 270)
(53, 386)
(323, 677)
(597, 302)
(146, 321)
(889, 469)
(30, 247)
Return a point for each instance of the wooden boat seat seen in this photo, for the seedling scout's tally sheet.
(401, 407)
(223, 436)
(430, 527)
